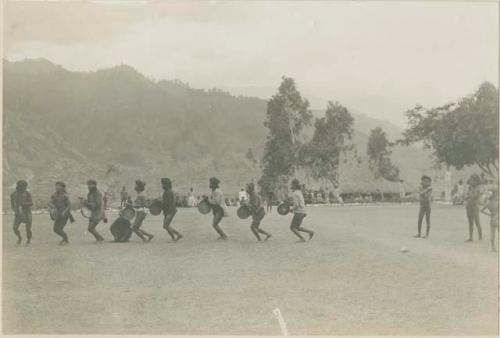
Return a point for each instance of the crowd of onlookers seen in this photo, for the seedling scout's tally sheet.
(310, 197)
(336, 196)
(459, 190)
(323, 196)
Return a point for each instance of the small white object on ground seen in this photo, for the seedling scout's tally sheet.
(278, 315)
(404, 250)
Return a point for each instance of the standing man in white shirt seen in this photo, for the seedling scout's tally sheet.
(219, 207)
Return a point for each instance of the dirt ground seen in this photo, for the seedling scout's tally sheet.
(351, 279)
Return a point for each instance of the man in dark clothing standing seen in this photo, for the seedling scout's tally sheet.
(21, 203)
(425, 197)
(472, 201)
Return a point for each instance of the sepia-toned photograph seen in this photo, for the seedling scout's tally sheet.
(264, 168)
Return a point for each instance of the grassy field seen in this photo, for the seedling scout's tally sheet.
(350, 279)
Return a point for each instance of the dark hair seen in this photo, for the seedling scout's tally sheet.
(92, 182)
(140, 185)
(425, 177)
(62, 185)
(166, 182)
(215, 181)
(295, 184)
(21, 184)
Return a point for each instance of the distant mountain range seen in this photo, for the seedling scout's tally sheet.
(116, 125)
(378, 105)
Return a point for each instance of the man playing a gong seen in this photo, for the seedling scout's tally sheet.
(21, 203)
(169, 209)
(219, 208)
(59, 201)
(140, 204)
(94, 203)
(299, 212)
(254, 204)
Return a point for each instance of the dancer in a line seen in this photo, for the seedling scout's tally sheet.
(299, 212)
(59, 201)
(169, 209)
(95, 204)
(219, 207)
(257, 211)
(21, 203)
(140, 205)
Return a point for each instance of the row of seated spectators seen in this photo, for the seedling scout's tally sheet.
(313, 197)
(322, 197)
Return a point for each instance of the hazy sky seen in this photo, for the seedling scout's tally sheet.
(378, 58)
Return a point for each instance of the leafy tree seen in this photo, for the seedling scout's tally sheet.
(379, 156)
(287, 114)
(462, 133)
(332, 133)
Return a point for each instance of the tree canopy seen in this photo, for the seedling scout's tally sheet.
(379, 156)
(287, 114)
(332, 133)
(460, 134)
